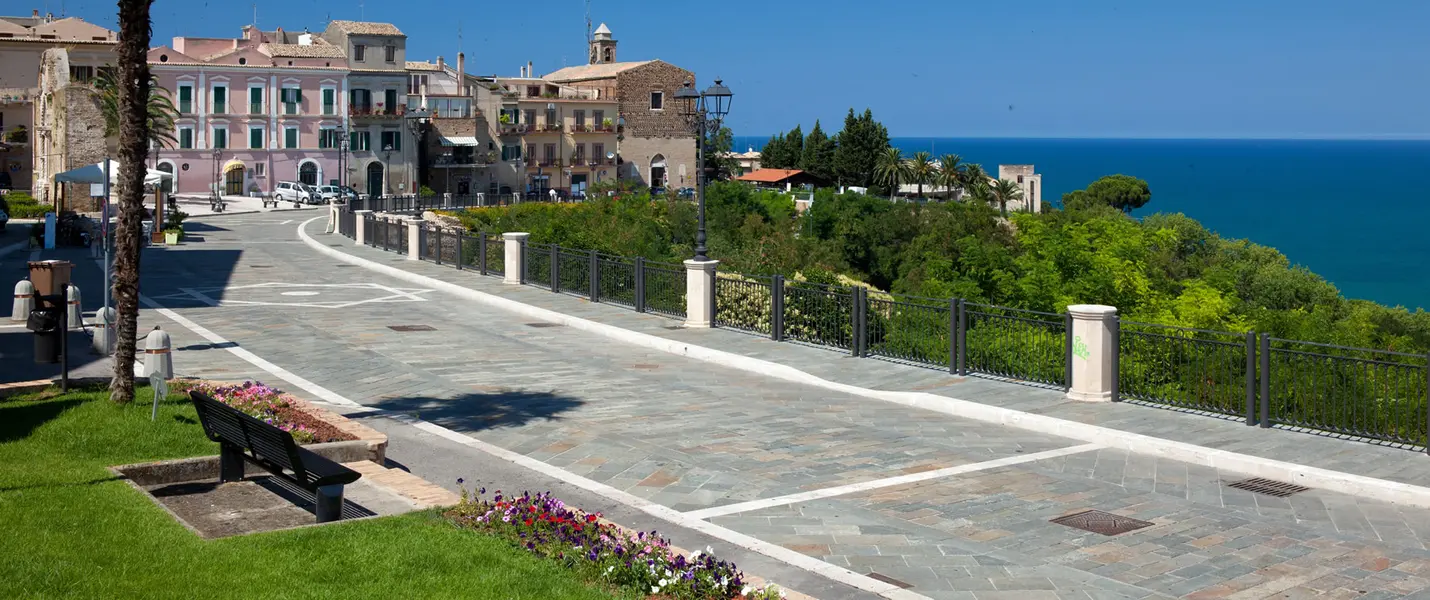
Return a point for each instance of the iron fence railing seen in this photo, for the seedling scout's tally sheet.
(744, 302)
(617, 281)
(1018, 344)
(411, 203)
(1375, 394)
(573, 271)
(663, 288)
(913, 329)
(536, 264)
(818, 314)
(1198, 369)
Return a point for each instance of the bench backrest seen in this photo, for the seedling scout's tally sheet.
(225, 424)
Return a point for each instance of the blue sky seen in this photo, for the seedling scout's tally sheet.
(1033, 68)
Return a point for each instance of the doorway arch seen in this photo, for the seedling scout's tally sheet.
(168, 184)
(374, 179)
(308, 173)
(657, 171)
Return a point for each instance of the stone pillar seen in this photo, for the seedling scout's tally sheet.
(332, 217)
(700, 293)
(414, 239)
(1092, 352)
(360, 227)
(515, 242)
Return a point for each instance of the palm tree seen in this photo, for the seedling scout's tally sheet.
(891, 169)
(922, 171)
(950, 173)
(132, 102)
(979, 192)
(973, 175)
(160, 108)
(1005, 191)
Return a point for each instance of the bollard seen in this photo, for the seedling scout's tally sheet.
(24, 300)
(104, 334)
(157, 360)
(72, 307)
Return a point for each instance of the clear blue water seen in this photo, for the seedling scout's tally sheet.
(1356, 212)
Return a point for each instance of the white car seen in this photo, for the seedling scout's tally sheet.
(330, 193)
(292, 191)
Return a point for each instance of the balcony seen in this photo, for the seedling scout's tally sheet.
(547, 162)
(593, 128)
(549, 127)
(255, 108)
(448, 161)
(377, 111)
(514, 129)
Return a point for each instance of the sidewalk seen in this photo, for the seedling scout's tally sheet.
(1349, 457)
(199, 205)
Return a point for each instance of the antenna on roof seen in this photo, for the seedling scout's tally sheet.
(588, 21)
(255, 15)
(361, 16)
(459, 36)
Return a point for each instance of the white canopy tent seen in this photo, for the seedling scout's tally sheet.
(95, 174)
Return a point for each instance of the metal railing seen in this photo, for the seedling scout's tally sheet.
(1375, 394)
(744, 302)
(618, 281)
(573, 271)
(1027, 345)
(818, 314)
(913, 329)
(536, 265)
(663, 288)
(1197, 369)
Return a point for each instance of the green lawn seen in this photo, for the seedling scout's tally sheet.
(68, 529)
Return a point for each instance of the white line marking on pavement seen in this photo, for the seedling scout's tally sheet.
(286, 222)
(864, 486)
(667, 514)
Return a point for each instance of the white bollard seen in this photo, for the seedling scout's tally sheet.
(513, 256)
(24, 300)
(1092, 352)
(700, 292)
(414, 239)
(104, 334)
(360, 231)
(157, 359)
(73, 311)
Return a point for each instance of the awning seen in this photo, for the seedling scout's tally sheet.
(459, 140)
(233, 165)
(95, 174)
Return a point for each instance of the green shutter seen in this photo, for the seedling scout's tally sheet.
(255, 138)
(186, 99)
(329, 99)
(290, 138)
(186, 138)
(220, 99)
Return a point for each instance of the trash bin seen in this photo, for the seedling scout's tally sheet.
(50, 276)
(45, 322)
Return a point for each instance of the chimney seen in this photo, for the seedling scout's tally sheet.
(461, 64)
(441, 64)
(35, 14)
(529, 71)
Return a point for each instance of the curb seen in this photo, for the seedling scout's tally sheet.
(1315, 477)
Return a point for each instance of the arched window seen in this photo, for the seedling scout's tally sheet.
(168, 185)
(308, 173)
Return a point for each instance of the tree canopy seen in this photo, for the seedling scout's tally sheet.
(859, 146)
(1122, 192)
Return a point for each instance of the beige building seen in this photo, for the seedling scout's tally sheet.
(382, 153)
(657, 147)
(49, 121)
(1029, 182)
(556, 136)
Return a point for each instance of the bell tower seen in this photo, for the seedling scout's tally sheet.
(603, 47)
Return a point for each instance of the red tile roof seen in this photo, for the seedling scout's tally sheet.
(769, 175)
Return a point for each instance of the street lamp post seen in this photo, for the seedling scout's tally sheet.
(387, 170)
(417, 121)
(703, 112)
(218, 181)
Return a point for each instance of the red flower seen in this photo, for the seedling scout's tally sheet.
(528, 522)
(590, 518)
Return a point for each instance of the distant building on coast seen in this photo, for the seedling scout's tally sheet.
(1029, 182)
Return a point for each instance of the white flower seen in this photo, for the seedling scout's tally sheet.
(610, 568)
(745, 591)
(664, 583)
(694, 555)
(654, 590)
(708, 550)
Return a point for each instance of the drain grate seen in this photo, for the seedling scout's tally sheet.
(646, 366)
(1270, 487)
(542, 325)
(1101, 522)
(260, 266)
(890, 580)
(345, 266)
(412, 328)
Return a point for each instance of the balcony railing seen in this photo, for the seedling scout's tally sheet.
(549, 162)
(255, 108)
(514, 128)
(550, 127)
(593, 129)
(358, 110)
(460, 161)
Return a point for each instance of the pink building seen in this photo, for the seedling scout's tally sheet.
(266, 107)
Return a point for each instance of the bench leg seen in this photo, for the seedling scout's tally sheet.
(230, 463)
(330, 503)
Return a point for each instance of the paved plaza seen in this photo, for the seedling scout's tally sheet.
(836, 495)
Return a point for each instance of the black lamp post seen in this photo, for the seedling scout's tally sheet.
(218, 182)
(342, 141)
(417, 121)
(387, 169)
(703, 111)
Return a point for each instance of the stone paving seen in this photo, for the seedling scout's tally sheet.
(689, 435)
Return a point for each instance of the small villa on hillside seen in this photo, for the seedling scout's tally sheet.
(782, 179)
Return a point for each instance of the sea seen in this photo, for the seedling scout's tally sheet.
(1356, 212)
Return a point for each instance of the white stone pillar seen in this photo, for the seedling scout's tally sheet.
(332, 217)
(414, 239)
(1092, 352)
(514, 256)
(700, 293)
(360, 227)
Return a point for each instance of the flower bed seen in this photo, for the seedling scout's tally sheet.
(603, 551)
(275, 408)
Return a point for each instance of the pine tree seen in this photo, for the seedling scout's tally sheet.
(818, 157)
(859, 147)
(793, 148)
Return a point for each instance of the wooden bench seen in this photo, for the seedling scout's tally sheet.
(270, 199)
(244, 438)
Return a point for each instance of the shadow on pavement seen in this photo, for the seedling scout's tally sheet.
(165, 272)
(476, 412)
(17, 357)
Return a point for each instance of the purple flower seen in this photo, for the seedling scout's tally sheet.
(460, 481)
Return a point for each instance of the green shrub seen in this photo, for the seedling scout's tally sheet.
(19, 205)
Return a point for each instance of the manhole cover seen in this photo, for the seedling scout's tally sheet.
(890, 580)
(1270, 487)
(644, 366)
(337, 245)
(412, 328)
(1104, 523)
(542, 325)
(345, 266)
(260, 266)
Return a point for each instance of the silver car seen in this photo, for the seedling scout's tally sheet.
(292, 191)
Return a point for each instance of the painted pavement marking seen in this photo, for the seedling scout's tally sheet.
(392, 294)
(777, 552)
(864, 486)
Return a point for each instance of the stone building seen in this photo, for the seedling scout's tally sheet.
(1029, 182)
(39, 135)
(382, 154)
(655, 143)
(558, 136)
(456, 150)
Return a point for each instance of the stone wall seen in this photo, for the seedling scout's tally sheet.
(86, 143)
(638, 153)
(633, 89)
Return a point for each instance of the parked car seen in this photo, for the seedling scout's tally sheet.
(292, 191)
(349, 193)
(330, 193)
(686, 192)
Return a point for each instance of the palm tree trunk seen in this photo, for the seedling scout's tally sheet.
(1003, 206)
(134, 33)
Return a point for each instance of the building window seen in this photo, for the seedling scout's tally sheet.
(255, 101)
(186, 138)
(290, 137)
(511, 152)
(358, 51)
(512, 115)
(330, 101)
(578, 157)
(551, 119)
(360, 101)
(657, 100)
(360, 140)
(308, 173)
(292, 98)
(258, 169)
(390, 105)
(598, 152)
(255, 138)
(328, 139)
(579, 117)
(81, 74)
(220, 139)
(530, 115)
(220, 95)
(389, 53)
(415, 84)
(186, 99)
(549, 153)
(392, 139)
(531, 151)
(598, 117)
(533, 91)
